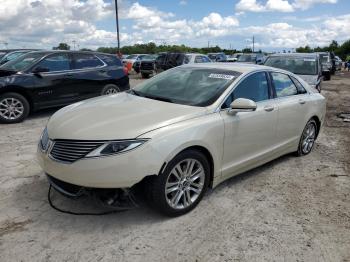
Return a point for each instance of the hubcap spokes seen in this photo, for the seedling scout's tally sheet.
(11, 108)
(309, 138)
(111, 91)
(185, 183)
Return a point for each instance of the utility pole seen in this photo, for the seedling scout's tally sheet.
(208, 43)
(253, 43)
(73, 44)
(117, 19)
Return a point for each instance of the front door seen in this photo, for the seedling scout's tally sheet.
(249, 136)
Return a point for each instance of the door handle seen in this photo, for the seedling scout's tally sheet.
(269, 108)
(301, 101)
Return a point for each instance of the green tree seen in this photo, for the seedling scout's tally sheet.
(62, 46)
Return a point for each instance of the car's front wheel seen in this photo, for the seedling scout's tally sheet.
(182, 184)
(14, 108)
(110, 89)
(307, 139)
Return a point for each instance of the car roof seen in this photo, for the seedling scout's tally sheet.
(309, 55)
(238, 67)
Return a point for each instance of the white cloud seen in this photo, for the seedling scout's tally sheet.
(183, 2)
(278, 5)
(306, 4)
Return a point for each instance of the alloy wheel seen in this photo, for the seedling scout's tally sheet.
(11, 108)
(309, 136)
(185, 183)
(111, 91)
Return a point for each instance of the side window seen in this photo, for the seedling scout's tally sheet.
(283, 85)
(82, 61)
(56, 62)
(254, 87)
(112, 60)
(301, 89)
(198, 59)
(206, 59)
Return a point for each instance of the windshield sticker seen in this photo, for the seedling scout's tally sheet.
(221, 76)
(309, 60)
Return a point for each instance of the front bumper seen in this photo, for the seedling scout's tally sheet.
(117, 171)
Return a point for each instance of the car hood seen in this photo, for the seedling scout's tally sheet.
(120, 116)
(310, 79)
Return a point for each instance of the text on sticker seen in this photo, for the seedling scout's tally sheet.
(221, 76)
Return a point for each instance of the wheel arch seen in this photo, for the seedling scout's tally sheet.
(318, 123)
(18, 90)
(204, 150)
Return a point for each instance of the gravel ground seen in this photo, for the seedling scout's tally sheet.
(291, 209)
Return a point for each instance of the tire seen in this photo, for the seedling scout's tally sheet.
(145, 75)
(110, 89)
(13, 101)
(195, 190)
(307, 138)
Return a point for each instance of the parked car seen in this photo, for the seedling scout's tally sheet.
(170, 60)
(326, 64)
(132, 59)
(43, 79)
(137, 64)
(233, 58)
(305, 65)
(338, 63)
(252, 58)
(180, 132)
(217, 57)
(13, 54)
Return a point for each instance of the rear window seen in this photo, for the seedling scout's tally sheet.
(82, 61)
(110, 60)
(296, 65)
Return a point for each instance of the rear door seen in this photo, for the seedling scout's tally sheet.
(90, 75)
(250, 137)
(291, 100)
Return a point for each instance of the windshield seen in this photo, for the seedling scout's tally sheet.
(296, 65)
(131, 57)
(148, 57)
(246, 58)
(22, 62)
(187, 86)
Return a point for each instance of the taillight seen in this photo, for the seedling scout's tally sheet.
(126, 71)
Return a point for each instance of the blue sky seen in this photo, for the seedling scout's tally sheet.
(276, 24)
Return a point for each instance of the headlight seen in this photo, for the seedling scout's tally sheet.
(44, 140)
(116, 147)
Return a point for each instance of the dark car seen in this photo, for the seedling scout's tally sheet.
(12, 54)
(217, 57)
(137, 64)
(45, 79)
(147, 65)
(252, 58)
(169, 60)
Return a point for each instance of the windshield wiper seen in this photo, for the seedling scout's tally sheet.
(136, 93)
(164, 99)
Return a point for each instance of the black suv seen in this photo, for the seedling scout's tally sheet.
(45, 79)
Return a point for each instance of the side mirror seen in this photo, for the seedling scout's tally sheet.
(39, 70)
(242, 105)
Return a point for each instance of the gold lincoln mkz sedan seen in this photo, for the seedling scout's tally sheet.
(184, 130)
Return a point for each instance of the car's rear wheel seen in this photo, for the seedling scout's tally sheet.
(110, 89)
(307, 139)
(182, 184)
(14, 108)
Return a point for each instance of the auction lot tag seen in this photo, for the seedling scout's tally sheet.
(221, 76)
(309, 60)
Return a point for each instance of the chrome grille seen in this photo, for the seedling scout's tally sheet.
(73, 150)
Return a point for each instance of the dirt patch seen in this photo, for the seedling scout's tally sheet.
(9, 226)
